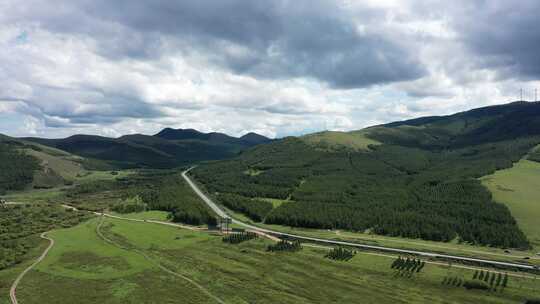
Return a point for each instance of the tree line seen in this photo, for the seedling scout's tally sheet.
(255, 209)
(16, 168)
(405, 191)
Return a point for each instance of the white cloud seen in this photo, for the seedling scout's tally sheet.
(126, 74)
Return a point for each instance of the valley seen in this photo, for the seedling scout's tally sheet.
(448, 194)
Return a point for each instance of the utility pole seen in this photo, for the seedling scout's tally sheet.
(521, 94)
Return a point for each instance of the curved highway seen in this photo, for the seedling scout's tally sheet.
(223, 214)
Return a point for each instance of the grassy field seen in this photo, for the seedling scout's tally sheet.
(147, 215)
(398, 242)
(519, 189)
(275, 202)
(7, 276)
(90, 176)
(57, 193)
(63, 165)
(332, 140)
(35, 195)
(82, 268)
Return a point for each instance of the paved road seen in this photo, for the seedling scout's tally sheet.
(208, 201)
(222, 214)
(12, 291)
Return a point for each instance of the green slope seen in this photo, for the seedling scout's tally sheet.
(333, 140)
(26, 164)
(415, 179)
(519, 189)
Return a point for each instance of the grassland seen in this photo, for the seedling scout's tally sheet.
(147, 215)
(453, 247)
(7, 276)
(82, 268)
(275, 201)
(519, 189)
(64, 165)
(57, 194)
(334, 140)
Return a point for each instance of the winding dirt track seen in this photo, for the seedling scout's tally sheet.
(163, 268)
(12, 291)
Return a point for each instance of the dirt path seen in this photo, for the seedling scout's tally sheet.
(157, 264)
(13, 289)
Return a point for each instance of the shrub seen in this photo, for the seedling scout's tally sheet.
(130, 205)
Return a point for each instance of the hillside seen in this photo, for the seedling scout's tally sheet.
(24, 164)
(415, 179)
(168, 148)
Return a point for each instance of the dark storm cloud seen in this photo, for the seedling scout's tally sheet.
(504, 35)
(265, 39)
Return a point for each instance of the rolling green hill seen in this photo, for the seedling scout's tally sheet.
(168, 148)
(26, 164)
(416, 178)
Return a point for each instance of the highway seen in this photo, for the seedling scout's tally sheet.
(428, 254)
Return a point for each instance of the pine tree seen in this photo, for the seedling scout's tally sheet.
(499, 278)
(422, 264)
(505, 280)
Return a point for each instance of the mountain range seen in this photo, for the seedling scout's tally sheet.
(417, 178)
(166, 149)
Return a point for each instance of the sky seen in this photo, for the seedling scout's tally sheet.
(275, 67)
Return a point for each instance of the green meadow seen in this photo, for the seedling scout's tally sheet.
(519, 189)
(334, 140)
(84, 268)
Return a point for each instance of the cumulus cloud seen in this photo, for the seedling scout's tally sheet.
(504, 35)
(276, 67)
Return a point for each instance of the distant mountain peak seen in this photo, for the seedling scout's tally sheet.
(179, 134)
(254, 138)
(250, 138)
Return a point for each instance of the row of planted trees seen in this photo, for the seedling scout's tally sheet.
(494, 280)
(340, 254)
(237, 238)
(408, 264)
(482, 280)
(283, 245)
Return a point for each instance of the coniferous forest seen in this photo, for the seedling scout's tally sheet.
(16, 168)
(419, 182)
